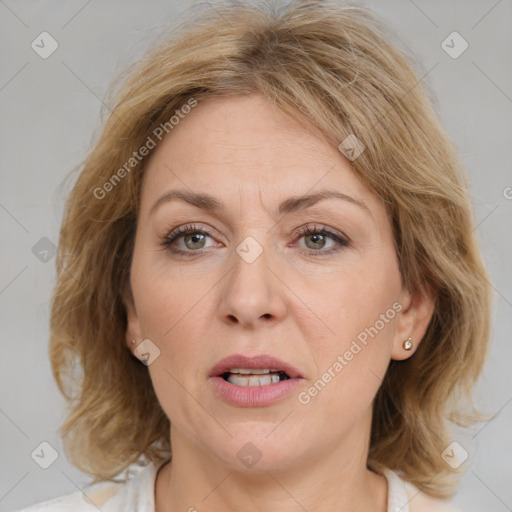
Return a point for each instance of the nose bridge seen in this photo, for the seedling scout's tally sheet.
(252, 291)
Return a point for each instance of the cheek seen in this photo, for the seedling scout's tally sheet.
(351, 366)
(357, 301)
(361, 312)
(168, 313)
(173, 313)
(165, 298)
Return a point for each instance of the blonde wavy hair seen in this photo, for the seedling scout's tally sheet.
(339, 69)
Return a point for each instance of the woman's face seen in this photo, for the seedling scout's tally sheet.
(244, 279)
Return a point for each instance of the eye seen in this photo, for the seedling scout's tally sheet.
(190, 238)
(316, 239)
(193, 239)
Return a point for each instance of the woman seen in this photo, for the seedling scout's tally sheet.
(267, 263)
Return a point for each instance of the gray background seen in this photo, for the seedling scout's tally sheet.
(50, 111)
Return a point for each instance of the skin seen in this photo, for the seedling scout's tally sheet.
(301, 307)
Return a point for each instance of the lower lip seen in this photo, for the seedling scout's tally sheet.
(254, 396)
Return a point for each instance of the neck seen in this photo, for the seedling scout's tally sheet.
(196, 480)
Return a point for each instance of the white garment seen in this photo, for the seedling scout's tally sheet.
(137, 494)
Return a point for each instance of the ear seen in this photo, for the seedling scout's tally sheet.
(133, 329)
(412, 321)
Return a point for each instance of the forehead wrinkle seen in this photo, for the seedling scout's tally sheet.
(267, 210)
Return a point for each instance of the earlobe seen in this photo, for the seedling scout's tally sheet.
(412, 324)
(408, 344)
(133, 331)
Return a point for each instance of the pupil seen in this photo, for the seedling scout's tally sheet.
(194, 238)
(314, 237)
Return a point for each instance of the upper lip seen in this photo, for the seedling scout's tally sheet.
(253, 362)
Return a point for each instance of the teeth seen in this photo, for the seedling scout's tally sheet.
(264, 380)
(249, 371)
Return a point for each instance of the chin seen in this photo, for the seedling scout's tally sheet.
(260, 450)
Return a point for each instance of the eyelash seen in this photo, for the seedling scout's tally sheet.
(189, 229)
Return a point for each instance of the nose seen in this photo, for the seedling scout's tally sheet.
(252, 293)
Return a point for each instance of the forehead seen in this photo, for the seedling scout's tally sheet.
(243, 144)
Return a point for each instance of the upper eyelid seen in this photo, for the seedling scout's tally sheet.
(189, 228)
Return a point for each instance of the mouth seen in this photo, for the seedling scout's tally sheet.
(250, 370)
(255, 381)
(246, 377)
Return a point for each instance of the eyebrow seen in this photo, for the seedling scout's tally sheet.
(212, 204)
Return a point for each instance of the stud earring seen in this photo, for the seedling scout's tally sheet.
(133, 342)
(407, 344)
